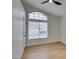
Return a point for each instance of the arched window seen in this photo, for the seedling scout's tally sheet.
(38, 25)
(37, 16)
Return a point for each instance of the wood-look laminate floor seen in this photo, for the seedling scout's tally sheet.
(46, 51)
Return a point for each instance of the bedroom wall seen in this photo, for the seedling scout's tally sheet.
(53, 29)
(18, 42)
(63, 29)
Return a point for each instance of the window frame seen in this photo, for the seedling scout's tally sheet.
(34, 20)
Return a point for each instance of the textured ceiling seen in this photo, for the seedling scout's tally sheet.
(58, 10)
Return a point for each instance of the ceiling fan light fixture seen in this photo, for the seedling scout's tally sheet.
(50, 1)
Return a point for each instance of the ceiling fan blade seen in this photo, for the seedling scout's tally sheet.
(45, 2)
(58, 3)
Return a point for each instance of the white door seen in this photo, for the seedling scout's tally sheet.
(18, 27)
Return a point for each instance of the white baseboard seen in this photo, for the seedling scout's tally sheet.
(27, 45)
(63, 42)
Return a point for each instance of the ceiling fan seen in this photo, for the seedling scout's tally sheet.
(51, 1)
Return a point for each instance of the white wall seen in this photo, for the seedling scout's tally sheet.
(17, 29)
(62, 27)
(53, 29)
(52, 33)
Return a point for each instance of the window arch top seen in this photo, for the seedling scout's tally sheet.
(37, 16)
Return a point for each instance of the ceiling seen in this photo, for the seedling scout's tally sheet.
(58, 10)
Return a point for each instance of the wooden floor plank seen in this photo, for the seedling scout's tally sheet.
(46, 51)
